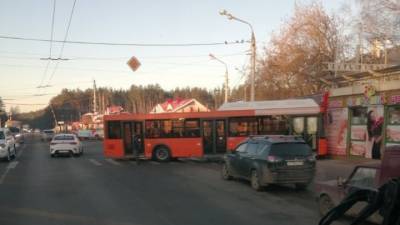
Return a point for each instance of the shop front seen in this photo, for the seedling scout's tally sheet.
(362, 123)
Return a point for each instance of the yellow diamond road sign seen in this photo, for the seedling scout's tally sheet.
(133, 63)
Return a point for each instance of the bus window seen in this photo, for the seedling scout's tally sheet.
(192, 128)
(152, 128)
(239, 127)
(298, 125)
(114, 130)
(273, 125)
(177, 128)
(166, 128)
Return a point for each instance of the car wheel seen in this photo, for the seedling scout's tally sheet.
(52, 155)
(162, 154)
(301, 186)
(225, 172)
(255, 181)
(325, 204)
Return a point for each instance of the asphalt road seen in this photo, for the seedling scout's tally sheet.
(37, 189)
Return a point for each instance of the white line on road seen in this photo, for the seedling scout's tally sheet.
(112, 161)
(95, 162)
(12, 165)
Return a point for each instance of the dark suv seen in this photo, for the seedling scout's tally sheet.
(271, 159)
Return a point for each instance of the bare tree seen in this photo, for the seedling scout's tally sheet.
(294, 58)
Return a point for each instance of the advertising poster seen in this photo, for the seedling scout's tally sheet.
(393, 133)
(336, 131)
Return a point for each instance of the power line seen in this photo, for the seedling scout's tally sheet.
(63, 44)
(126, 44)
(51, 44)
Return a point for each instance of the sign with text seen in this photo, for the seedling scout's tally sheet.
(353, 67)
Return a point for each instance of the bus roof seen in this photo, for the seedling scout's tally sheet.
(275, 107)
(150, 116)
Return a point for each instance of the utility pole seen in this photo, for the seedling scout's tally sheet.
(54, 115)
(94, 97)
(253, 51)
(253, 66)
(226, 84)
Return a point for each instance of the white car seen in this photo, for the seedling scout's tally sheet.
(67, 144)
(7, 144)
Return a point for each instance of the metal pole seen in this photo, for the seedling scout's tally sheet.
(226, 85)
(94, 97)
(253, 66)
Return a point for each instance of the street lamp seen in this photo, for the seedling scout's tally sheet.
(253, 50)
(226, 76)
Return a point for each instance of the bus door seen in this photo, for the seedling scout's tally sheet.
(214, 136)
(127, 136)
(138, 130)
(307, 127)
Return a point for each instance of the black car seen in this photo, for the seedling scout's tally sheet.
(271, 159)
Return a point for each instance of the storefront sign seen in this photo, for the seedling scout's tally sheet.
(364, 101)
(394, 99)
(336, 104)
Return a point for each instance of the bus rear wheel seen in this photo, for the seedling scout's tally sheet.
(162, 154)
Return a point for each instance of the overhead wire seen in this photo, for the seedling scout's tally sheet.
(51, 44)
(126, 44)
(63, 44)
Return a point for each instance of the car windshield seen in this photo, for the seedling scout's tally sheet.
(1, 135)
(64, 138)
(290, 149)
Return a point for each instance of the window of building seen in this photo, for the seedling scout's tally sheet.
(359, 116)
(393, 125)
(242, 127)
(114, 130)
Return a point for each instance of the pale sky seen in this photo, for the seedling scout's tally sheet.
(129, 21)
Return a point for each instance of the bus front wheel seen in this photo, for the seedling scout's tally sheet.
(162, 154)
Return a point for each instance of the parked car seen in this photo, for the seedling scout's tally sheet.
(47, 135)
(270, 159)
(368, 176)
(67, 144)
(7, 144)
(18, 134)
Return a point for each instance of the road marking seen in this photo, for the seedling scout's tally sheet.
(113, 162)
(95, 162)
(155, 163)
(10, 166)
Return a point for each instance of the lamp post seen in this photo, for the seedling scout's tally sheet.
(226, 86)
(253, 50)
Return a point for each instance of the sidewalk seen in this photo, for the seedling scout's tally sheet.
(329, 169)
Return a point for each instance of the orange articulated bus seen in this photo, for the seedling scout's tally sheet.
(196, 134)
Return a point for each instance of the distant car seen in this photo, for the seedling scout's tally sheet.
(7, 144)
(368, 176)
(47, 135)
(18, 134)
(67, 144)
(271, 159)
